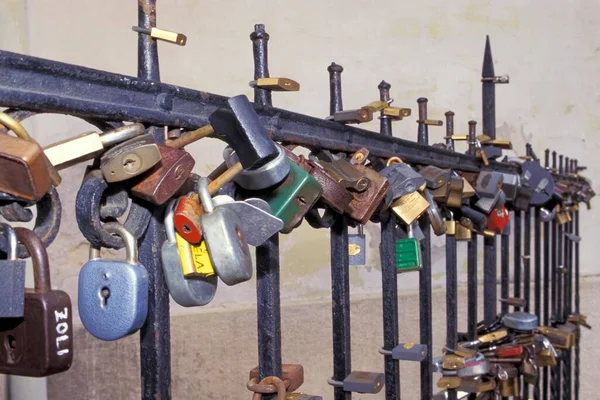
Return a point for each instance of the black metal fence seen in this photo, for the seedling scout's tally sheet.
(38, 85)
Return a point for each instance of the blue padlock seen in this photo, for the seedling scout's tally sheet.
(113, 295)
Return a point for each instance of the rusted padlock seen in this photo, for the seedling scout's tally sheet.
(293, 376)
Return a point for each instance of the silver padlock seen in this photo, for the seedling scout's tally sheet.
(403, 179)
(410, 352)
(185, 292)
(364, 382)
(520, 321)
(256, 221)
(475, 366)
(222, 232)
(488, 183)
(12, 282)
(267, 175)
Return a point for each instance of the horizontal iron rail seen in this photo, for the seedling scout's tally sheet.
(43, 85)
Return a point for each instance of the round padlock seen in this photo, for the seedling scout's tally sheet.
(520, 321)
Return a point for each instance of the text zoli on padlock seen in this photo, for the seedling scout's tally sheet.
(40, 343)
(186, 292)
(223, 236)
(113, 295)
(12, 284)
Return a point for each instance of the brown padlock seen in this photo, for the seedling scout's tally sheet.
(509, 387)
(292, 374)
(364, 204)
(166, 178)
(40, 343)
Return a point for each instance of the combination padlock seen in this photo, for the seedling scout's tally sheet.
(41, 342)
(113, 295)
(222, 232)
(12, 284)
(185, 292)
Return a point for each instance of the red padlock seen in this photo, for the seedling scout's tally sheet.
(514, 350)
(187, 218)
(498, 219)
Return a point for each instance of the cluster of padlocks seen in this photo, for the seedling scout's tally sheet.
(264, 187)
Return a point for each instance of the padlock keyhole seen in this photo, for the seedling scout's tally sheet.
(187, 229)
(105, 293)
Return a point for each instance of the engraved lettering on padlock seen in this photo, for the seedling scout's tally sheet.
(113, 295)
(12, 284)
(40, 343)
(222, 231)
(185, 292)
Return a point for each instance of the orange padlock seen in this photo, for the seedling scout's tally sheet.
(187, 218)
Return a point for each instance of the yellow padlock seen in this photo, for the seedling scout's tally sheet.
(195, 260)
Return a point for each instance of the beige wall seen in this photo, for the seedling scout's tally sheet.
(428, 48)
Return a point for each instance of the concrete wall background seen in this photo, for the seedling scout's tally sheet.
(428, 48)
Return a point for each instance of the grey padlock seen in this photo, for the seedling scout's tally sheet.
(474, 367)
(547, 216)
(510, 184)
(402, 178)
(520, 321)
(487, 204)
(435, 216)
(488, 184)
(256, 221)
(113, 295)
(410, 352)
(491, 152)
(222, 232)
(267, 175)
(357, 247)
(302, 396)
(539, 179)
(185, 292)
(572, 237)
(364, 382)
(12, 273)
(434, 177)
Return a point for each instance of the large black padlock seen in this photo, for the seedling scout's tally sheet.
(40, 343)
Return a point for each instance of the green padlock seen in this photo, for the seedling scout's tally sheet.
(294, 197)
(408, 253)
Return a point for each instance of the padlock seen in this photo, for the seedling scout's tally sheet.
(268, 174)
(185, 292)
(87, 146)
(161, 182)
(113, 295)
(452, 362)
(292, 375)
(478, 220)
(410, 207)
(434, 177)
(129, 159)
(162, 34)
(488, 183)
(462, 232)
(530, 371)
(509, 350)
(510, 185)
(302, 396)
(520, 321)
(491, 152)
(357, 116)
(12, 283)
(539, 179)
(364, 382)
(408, 253)
(256, 221)
(509, 387)
(223, 236)
(357, 247)
(40, 343)
(474, 367)
(523, 199)
(497, 219)
(23, 169)
(276, 84)
(195, 260)
(237, 123)
(187, 218)
(449, 382)
(402, 178)
(450, 194)
(435, 216)
(472, 385)
(292, 198)
(410, 352)
(342, 170)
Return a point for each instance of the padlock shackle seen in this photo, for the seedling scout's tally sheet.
(131, 249)
(169, 223)
(39, 258)
(12, 241)
(204, 195)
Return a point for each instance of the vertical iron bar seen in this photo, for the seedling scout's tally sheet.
(389, 279)
(517, 249)
(577, 300)
(567, 298)
(488, 92)
(340, 273)
(526, 275)
(451, 272)
(504, 268)
(547, 279)
(555, 370)
(268, 307)
(155, 335)
(425, 311)
(537, 253)
(472, 260)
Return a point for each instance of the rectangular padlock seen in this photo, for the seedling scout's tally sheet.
(434, 177)
(195, 260)
(364, 204)
(410, 352)
(353, 116)
(488, 184)
(164, 180)
(364, 382)
(23, 169)
(12, 271)
(408, 255)
(410, 207)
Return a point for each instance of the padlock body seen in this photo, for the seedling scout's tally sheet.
(195, 260)
(185, 292)
(12, 288)
(357, 249)
(498, 219)
(40, 343)
(125, 310)
(23, 169)
(292, 199)
(410, 352)
(403, 179)
(364, 382)
(364, 204)
(408, 255)
(164, 180)
(187, 218)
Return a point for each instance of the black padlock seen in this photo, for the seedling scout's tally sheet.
(40, 343)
